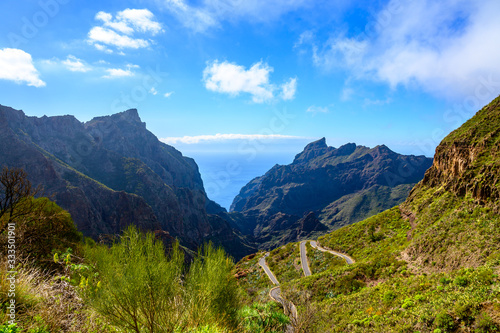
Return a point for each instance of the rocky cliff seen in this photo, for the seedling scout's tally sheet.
(454, 211)
(466, 161)
(111, 172)
(327, 186)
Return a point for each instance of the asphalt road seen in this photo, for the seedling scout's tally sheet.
(348, 259)
(303, 258)
(263, 264)
(275, 294)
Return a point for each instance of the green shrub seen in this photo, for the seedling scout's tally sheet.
(139, 289)
(484, 324)
(461, 281)
(445, 322)
(262, 318)
(389, 296)
(211, 290)
(12, 328)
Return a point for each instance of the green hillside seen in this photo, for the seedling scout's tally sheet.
(431, 264)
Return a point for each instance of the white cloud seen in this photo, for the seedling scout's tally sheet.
(102, 48)
(117, 73)
(17, 65)
(317, 109)
(75, 65)
(233, 79)
(118, 32)
(141, 19)
(109, 37)
(168, 94)
(153, 91)
(457, 47)
(289, 89)
(210, 13)
(225, 137)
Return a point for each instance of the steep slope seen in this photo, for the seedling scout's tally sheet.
(114, 156)
(431, 264)
(335, 186)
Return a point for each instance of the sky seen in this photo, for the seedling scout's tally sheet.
(257, 76)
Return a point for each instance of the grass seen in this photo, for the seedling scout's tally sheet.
(44, 304)
(252, 280)
(285, 263)
(321, 261)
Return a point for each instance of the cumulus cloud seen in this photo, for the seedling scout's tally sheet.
(225, 137)
(456, 48)
(153, 91)
(233, 79)
(317, 109)
(168, 94)
(117, 73)
(75, 65)
(119, 31)
(17, 65)
(288, 89)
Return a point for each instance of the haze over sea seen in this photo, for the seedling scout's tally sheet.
(224, 173)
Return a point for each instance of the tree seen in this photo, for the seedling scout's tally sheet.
(14, 189)
(39, 225)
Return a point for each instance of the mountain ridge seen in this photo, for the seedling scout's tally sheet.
(115, 156)
(327, 182)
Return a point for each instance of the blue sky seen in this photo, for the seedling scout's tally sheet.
(225, 75)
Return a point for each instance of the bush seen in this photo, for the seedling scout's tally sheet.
(140, 289)
(211, 290)
(262, 318)
(389, 296)
(484, 324)
(461, 281)
(137, 283)
(445, 322)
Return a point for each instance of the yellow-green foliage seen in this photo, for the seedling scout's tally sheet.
(419, 303)
(252, 280)
(284, 262)
(45, 304)
(382, 235)
(320, 261)
(140, 289)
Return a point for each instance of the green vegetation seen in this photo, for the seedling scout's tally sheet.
(140, 289)
(252, 280)
(132, 285)
(284, 262)
(321, 261)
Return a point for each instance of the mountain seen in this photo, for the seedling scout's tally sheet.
(431, 264)
(111, 172)
(323, 189)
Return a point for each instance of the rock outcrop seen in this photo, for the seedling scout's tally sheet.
(467, 160)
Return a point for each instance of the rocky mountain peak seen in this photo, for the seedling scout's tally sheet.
(312, 150)
(126, 118)
(130, 115)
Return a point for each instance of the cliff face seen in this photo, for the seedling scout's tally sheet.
(111, 172)
(467, 160)
(338, 185)
(454, 211)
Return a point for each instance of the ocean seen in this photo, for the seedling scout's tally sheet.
(224, 174)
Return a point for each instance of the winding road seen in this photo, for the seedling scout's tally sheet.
(275, 293)
(303, 258)
(348, 259)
